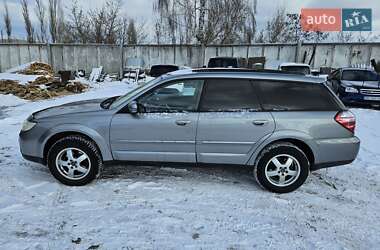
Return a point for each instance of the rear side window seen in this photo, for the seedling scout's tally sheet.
(295, 96)
(231, 95)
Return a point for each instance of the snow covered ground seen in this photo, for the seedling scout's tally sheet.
(184, 208)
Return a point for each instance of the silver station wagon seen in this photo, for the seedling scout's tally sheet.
(281, 125)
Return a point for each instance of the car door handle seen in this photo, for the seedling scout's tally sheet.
(182, 122)
(260, 122)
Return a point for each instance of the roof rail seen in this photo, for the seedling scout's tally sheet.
(245, 70)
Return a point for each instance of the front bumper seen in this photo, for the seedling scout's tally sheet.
(30, 143)
(34, 159)
(359, 99)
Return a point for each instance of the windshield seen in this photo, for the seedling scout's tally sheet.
(296, 69)
(359, 75)
(120, 100)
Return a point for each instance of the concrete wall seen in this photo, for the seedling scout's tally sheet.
(78, 56)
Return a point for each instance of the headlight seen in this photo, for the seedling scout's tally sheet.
(27, 125)
(351, 90)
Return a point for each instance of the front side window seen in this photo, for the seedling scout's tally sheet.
(229, 95)
(122, 99)
(295, 96)
(178, 96)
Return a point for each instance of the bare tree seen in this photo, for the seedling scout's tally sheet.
(79, 23)
(167, 10)
(96, 25)
(260, 38)
(343, 37)
(286, 28)
(295, 33)
(112, 20)
(62, 34)
(205, 21)
(250, 22)
(7, 21)
(276, 27)
(141, 30)
(366, 37)
(40, 12)
(53, 6)
(201, 22)
(28, 24)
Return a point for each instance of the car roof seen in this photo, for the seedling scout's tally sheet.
(225, 57)
(243, 74)
(352, 68)
(294, 64)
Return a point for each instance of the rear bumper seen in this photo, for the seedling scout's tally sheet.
(336, 152)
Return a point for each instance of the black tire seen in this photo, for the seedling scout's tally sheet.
(83, 144)
(278, 149)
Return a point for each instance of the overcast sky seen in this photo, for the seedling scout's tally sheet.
(142, 10)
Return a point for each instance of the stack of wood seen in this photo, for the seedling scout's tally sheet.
(38, 68)
(45, 86)
(28, 92)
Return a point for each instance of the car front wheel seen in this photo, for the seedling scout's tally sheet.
(282, 168)
(74, 160)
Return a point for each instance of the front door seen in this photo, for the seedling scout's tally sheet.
(165, 127)
(230, 122)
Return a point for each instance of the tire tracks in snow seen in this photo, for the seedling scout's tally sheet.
(59, 217)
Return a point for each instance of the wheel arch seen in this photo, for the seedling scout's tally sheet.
(59, 133)
(302, 142)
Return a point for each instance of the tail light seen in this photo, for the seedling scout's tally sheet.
(347, 120)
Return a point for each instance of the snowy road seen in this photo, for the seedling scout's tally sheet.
(184, 208)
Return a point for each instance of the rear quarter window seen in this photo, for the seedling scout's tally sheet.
(295, 96)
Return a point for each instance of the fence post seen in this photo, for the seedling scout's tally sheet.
(50, 55)
(121, 60)
(203, 55)
(298, 51)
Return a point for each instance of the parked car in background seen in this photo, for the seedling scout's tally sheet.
(300, 68)
(161, 69)
(281, 125)
(227, 62)
(356, 85)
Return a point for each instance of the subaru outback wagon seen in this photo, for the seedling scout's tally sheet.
(281, 125)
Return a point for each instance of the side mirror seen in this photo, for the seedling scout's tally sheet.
(133, 107)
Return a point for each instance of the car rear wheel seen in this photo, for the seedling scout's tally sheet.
(282, 168)
(74, 161)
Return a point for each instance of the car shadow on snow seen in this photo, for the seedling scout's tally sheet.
(220, 174)
(226, 174)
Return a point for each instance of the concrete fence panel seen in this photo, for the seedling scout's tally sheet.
(113, 57)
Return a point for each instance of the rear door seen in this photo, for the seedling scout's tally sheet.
(230, 122)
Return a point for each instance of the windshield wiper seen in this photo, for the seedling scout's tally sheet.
(107, 102)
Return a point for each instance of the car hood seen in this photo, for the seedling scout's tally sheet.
(362, 84)
(70, 108)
